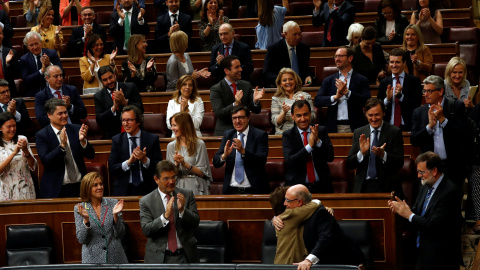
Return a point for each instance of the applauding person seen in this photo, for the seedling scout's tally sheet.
(139, 68)
(52, 36)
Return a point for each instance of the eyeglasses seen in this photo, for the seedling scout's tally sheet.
(429, 91)
(422, 172)
(238, 118)
(173, 178)
(339, 55)
(4, 92)
(289, 201)
(128, 120)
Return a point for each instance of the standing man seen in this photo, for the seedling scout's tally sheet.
(134, 156)
(9, 69)
(336, 20)
(14, 106)
(169, 216)
(169, 22)
(244, 149)
(306, 150)
(376, 153)
(232, 91)
(288, 52)
(56, 89)
(62, 148)
(80, 35)
(109, 101)
(345, 94)
(435, 216)
(401, 93)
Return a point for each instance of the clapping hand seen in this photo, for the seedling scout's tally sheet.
(118, 207)
(238, 97)
(140, 154)
(227, 150)
(379, 151)
(90, 56)
(204, 72)
(468, 102)
(237, 144)
(389, 92)
(178, 159)
(12, 107)
(9, 57)
(83, 212)
(257, 95)
(285, 108)
(313, 138)
(82, 134)
(58, 30)
(22, 144)
(141, 14)
(219, 57)
(391, 35)
(150, 64)
(364, 144)
(132, 68)
(180, 202)
(67, 101)
(63, 137)
(184, 105)
(88, 29)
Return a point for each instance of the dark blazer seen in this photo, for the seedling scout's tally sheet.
(442, 218)
(240, 50)
(164, 23)
(277, 58)
(255, 158)
(53, 158)
(412, 98)
(151, 208)
(7, 29)
(342, 19)
(401, 22)
(76, 44)
(296, 157)
(111, 124)
(11, 72)
(33, 81)
(222, 99)
(25, 121)
(121, 152)
(79, 110)
(360, 92)
(387, 172)
(118, 32)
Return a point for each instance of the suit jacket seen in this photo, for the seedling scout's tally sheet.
(240, 50)
(53, 158)
(412, 98)
(342, 19)
(25, 121)
(222, 99)
(7, 29)
(76, 44)
(277, 57)
(121, 152)
(33, 81)
(442, 218)
(79, 110)
(110, 123)
(296, 156)
(387, 172)
(11, 72)
(401, 22)
(425, 56)
(118, 32)
(254, 160)
(359, 94)
(151, 208)
(164, 23)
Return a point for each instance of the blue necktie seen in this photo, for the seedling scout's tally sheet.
(424, 209)
(135, 167)
(372, 168)
(239, 169)
(295, 61)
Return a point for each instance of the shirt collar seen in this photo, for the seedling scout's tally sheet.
(379, 129)
(245, 132)
(437, 183)
(301, 131)
(441, 104)
(54, 129)
(231, 45)
(53, 90)
(170, 13)
(130, 10)
(229, 82)
(402, 75)
(139, 133)
(162, 195)
(349, 74)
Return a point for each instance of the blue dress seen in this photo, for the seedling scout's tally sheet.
(267, 35)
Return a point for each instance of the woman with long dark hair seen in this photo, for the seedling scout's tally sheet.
(429, 20)
(139, 68)
(270, 22)
(212, 18)
(390, 23)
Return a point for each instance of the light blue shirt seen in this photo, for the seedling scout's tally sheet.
(438, 141)
(269, 34)
(309, 151)
(401, 78)
(342, 110)
(435, 187)
(125, 166)
(229, 48)
(360, 156)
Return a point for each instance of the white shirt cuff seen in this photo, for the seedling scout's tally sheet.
(410, 217)
(312, 258)
(125, 166)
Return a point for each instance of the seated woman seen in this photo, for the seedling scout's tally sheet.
(354, 34)
(139, 68)
(99, 223)
(456, 84)
(212, 18)
(420, 56)
(52, 36)
(186, 99)
(179, 63)
(429, 20)
(189, 154)
(94, 60)
(289, 89)
(16, 162)
(390, 23)
(31, 9)
(270, 22)
(368, 58)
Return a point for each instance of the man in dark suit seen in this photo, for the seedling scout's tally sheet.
(345, 94)
(169, 22)
(56, 89)
(81, 34)
(10, 69)
(109, 101)
(34, 63)
(306, 150)
(237, 48)
(62, 148)
(336, 20)
(134, 155)
(288, 52)
(169, 217)
(7, 29)
(435, 216)
(401, 93)
(14, 106)
(245, 167)
(376, 153)
(128, 15)
(232, 91)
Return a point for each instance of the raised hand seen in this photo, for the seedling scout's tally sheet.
(237, 144)
(238, 97)
(317, 4)
(389, 92)
(90, 56)
(12, 107)
(82, 133)
(379, 151)
(219, 57)
(63, 137)
(220, 16)
(313, 138)
(120, 12)
(180, 202)
(364, 144)
(118, 207)
(150, 64)
(9, 57)
(257, 95)
(227, 150)
(67, 101)
(141, 14)
(113, 55)
(83, 212)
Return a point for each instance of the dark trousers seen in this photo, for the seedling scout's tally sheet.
(70, 190)
(141, 190)
(236, 190)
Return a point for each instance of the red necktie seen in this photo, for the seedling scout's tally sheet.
(234, 85)
(85, 47)
(172, 235)
(310, 170)
(121, 128)
(397, 120)
(59, 95)
(330, 24)
(227, 51)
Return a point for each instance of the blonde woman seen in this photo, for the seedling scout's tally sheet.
(52, 36)
(31, 9)
(420, 56)
(139, 68)
(456, 84)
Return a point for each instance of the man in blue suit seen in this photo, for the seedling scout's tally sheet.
(34, 63)
(61, 148)
(134, 156)
(345, 94)
(336, 20)
(56, 89)
(245, 169)
(169, 22)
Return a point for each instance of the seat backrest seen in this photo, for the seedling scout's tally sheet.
(325, 72)
(313, 39)
(341, 176)
(159, 83)
(205, 83)
(103, 17)
(269, 243)
(262, 121)
(360, 232)
(256, 78)
(242, 12)
(156, 123)
(213, 242)
(464, 35)
(29, 245)
(208, 124)
(439, 69)
(94, 129)
(21, 21)
(275, 170)
(371, 5)
(102, 170)
(300, 8)
(76, 81)
(409, 4)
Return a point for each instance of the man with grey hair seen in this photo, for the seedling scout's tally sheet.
(336, 21)
(34, 63)
(440, 126)
(288, 52)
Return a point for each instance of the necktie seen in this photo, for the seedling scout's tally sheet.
(372, 168)
(85, 47)
(69, 163)
(310, 169)
(39, 63)
(397, 120)
(234, 86)
(174, 16)
(127, 29)
(424, 209)
(135, 167)
(172, 234)
(59, 94)
(227, 51)
(239, 169)
(295, 61)
(5, 107)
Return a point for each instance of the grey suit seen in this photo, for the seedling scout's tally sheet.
(151, 208)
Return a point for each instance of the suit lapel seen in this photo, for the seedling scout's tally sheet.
(383, 133)
(284, 53)
(125, 145)
(107, 97)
